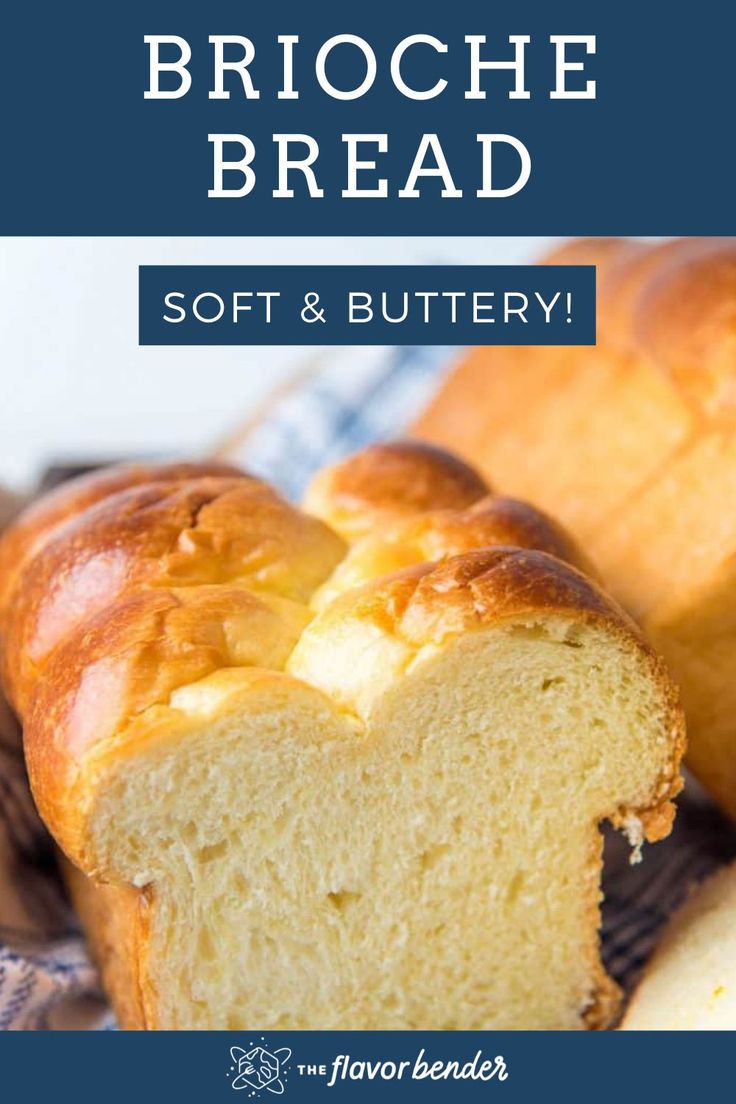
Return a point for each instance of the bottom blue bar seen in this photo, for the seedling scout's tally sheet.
(604, 1068)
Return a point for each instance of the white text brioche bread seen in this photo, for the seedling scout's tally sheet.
(632, 445)
(335, 771)
(690, 983)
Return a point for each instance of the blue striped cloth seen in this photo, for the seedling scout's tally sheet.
(359, 396)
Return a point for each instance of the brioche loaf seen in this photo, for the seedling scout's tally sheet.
(690, 983)
(300, 792)
(43, 517)
(632, 445)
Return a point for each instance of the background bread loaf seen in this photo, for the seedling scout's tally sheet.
(632, 444)
(301, 791)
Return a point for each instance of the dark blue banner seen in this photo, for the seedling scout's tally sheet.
(367, 305)
(179, 118)
(260, 1067)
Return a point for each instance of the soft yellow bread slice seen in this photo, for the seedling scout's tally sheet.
(382, 815)
(690, 983)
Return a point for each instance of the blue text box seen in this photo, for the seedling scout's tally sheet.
(367, 305)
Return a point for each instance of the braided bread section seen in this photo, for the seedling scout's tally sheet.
(137, 592)
(336, 771)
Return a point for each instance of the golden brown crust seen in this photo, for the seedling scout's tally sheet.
(428, 603)
(160, 585)
(624, 281)
(149, 589)
(686, 321)
(47, 514)
(208, 530)
(670, 307)
(389, 481)
(438, 534)
(672, 303)
(114, 918)
(500, 520)
(131, 656)
(99, 611)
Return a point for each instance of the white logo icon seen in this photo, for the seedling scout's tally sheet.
(258, 1068)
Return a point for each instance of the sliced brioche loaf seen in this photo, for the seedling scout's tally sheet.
(304, 793)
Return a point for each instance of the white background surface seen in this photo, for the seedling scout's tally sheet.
(78, 386)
